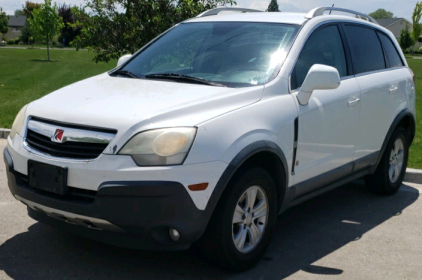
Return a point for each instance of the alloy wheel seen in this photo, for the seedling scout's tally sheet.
(396, 160)
(250, 219)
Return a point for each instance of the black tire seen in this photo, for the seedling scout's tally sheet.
(381, 182)
(217, 244)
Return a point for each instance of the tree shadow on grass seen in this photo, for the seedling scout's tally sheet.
(44, 60)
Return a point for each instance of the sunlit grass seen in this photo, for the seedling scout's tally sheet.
(415, 153)
(25, 75)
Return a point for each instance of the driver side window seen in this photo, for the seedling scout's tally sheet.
(325, 47)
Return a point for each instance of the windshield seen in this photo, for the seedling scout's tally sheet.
(234, 54)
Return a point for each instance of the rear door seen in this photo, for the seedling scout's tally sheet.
(382, 77)
(328, 124)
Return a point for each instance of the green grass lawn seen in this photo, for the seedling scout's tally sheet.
(415, 153)
(26, 76)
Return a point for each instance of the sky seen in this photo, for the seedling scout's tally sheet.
(400, 8)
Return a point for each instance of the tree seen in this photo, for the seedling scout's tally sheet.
(273, 6)
(46, 23)
(19, 12)
(68, 32)
(4, 22)
(416, 17)
(110, 33)
(26, 34)
(29, 7)
(79, 17)
(381, 13)
(405, 39)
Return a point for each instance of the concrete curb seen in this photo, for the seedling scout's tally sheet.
(4, 133)
(413, 176)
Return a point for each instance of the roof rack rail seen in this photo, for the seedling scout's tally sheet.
(320, 11)
(216, 11)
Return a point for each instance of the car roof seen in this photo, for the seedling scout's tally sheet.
(290, 18)
(276, 17)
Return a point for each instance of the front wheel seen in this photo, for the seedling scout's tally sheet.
(241, 227)
(390, 172)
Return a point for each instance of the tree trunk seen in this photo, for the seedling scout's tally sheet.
(48, 50)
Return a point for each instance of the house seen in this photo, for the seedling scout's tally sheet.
(16, 23)
(395, 25)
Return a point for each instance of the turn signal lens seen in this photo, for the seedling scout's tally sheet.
(198, 187)
(413, 74)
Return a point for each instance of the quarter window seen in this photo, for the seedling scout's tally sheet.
(325, 47)
(365, 49)
(393, 56)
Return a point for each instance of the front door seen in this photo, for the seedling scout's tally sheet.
(328, 124)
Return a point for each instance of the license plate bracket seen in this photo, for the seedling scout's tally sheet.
(46, 177)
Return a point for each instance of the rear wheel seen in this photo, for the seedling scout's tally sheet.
(389, 175)
(243, 221)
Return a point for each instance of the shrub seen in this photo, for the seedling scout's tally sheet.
(10, 42)
(17, 41)
(405, 39)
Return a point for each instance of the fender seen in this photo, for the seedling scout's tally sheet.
(238, 161)
(404, 113)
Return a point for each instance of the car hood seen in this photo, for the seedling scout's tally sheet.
(131, 105)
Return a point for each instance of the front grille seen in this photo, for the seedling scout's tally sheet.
(75, 150)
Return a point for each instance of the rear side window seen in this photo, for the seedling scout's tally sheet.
(365, 49)
(325, 46)
(393, 56)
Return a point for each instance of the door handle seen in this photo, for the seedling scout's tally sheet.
(393, 89)
(353, 102)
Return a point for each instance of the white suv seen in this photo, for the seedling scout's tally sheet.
(214, 128)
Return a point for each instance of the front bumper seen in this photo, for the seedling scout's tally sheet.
(136, 214)
(89, 175)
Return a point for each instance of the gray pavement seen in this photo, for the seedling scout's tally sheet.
(347, 233)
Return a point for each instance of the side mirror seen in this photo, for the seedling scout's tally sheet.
(123, 59)
(319, 77)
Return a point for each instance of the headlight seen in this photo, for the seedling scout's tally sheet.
(167, 146)
(17, 124)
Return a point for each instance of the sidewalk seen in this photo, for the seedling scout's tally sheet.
(40, 48)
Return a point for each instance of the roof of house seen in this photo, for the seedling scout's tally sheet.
(17, 20)
(389, 21)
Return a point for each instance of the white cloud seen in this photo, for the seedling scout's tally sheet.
(400, 8)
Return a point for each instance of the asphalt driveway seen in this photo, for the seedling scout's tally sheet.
(347, 233)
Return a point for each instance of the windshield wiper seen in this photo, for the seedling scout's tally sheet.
(126, 73)
(175, 76)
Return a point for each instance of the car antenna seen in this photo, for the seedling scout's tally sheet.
(331, 10)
